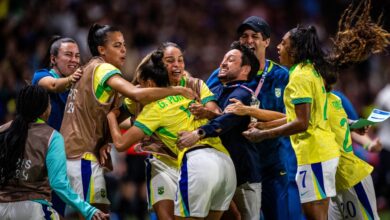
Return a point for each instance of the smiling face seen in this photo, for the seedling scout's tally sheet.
(174, 62)
(230, 67)
(67, 59)
(114, 49)
(285, 51)
(255, 41)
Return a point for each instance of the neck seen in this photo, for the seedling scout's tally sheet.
(56, 70)
(261, 59)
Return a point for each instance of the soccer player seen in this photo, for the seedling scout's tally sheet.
(205, 164)
(161, 170)
(33, 163)
(63, 59)
(280, 198)
(355, 197)
(84, 126)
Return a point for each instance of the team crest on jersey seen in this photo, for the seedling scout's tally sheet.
(160, 190)
(278, 92)
(103, 193)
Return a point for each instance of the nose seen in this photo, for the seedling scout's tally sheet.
(123, 49)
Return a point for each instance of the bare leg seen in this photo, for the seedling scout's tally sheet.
(316, 210)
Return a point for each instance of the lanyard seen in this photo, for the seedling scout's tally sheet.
(265, 72)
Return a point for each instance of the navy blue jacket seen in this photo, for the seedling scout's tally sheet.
(275, 155)
(229, 128)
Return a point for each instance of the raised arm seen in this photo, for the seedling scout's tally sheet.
(146, 95)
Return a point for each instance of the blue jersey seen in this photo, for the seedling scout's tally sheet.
(229, 128)
(57, 100)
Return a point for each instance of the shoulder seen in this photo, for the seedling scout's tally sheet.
(277, 68)
(39, 74)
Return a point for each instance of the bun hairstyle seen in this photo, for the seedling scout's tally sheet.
(97, 36)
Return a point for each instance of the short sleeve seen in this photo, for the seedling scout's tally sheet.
(149, 119)
(205, 94)
(300, 86)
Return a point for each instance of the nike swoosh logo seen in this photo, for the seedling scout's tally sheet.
(282, 173)
(302, 194)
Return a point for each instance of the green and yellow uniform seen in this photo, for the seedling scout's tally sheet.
(317, 143)
(166, 117)
(351, 170)
(102, 73)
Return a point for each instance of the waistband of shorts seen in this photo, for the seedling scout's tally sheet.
(198, 147)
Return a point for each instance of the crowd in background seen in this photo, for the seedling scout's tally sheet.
(204, 29)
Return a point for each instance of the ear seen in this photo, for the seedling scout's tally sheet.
(101, 50)
(245, 72)
(267, 42)
(52, 60)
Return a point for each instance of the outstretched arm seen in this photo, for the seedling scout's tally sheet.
(146, 95)
(239, 108)
(300, 124)
(60, 84)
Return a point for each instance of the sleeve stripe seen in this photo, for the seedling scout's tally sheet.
(106, 77)
(301, 100)
(208, 99)
(143, 127)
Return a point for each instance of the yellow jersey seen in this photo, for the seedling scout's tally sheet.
(351, 169)
(317, 143)
(102, 73)
(167, 116)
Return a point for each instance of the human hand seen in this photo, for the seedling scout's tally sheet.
(255, 135)
(187, 138)
(115, 112)
(104, 154)
(76, 76)
(375, 146)
(99, 215)
(186, 92)
(237, 107)
(198, 110)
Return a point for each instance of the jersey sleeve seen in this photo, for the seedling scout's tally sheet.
(205, 94)
(129, 105)
(149, 119)
(39, 74)
(104, 72)
(213, 80)
(301, 89)
(56, 166)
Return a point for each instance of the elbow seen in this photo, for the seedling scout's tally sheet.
(302, 126)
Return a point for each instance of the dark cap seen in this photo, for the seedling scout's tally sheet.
(256, 24)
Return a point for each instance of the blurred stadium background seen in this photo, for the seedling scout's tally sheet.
(204, 29)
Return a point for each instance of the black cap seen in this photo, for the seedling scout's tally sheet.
(256, 24)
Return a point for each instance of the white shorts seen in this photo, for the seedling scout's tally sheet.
(161, 181)
(87, 179)
(207, 182)
(27, 210)
(317, 181)
(356, 203)
(248, 200)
